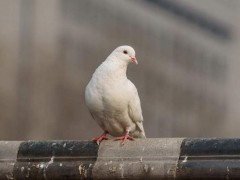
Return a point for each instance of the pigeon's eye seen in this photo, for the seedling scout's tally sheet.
(125, 52)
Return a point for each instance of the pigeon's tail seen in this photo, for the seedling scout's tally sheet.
(142, 135)
(138, 134)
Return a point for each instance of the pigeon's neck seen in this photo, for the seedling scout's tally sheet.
(116, 68)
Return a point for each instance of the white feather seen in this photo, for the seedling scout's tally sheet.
(112, 99)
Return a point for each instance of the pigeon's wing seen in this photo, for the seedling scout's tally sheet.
(135, 111)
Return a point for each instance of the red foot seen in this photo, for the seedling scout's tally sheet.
(100, 138)
(124, 138)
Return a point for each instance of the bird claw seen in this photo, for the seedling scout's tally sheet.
(100, 138)
(124, 138)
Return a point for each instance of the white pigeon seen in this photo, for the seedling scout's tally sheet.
(113, 99)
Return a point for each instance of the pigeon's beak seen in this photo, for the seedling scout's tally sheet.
(134, 60)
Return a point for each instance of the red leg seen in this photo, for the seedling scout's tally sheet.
(100, 138)
(125, 137)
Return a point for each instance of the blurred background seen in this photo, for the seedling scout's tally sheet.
(187, 77)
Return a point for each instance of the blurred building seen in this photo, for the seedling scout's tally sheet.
(187, 75)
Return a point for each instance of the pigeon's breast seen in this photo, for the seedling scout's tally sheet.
(102, 95)
(93, 97)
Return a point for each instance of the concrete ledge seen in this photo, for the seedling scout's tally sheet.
(8, 158)
(143, 158)
(163, 158)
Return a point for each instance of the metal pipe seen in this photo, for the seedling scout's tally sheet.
(160, 158)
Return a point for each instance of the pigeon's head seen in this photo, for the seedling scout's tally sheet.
(125, 53)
